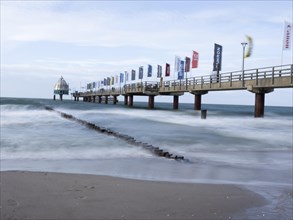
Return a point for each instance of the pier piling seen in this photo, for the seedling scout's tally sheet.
(114, 99)
(125, 100)
(259, 107)
(130, 100)
(175, 102)
(151, 101)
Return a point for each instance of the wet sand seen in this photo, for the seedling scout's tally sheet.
(40, 195)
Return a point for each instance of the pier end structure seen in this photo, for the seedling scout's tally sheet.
(61, 88)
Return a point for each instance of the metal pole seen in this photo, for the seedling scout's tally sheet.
(243, 45)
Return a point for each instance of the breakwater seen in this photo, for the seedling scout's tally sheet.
(130, 140)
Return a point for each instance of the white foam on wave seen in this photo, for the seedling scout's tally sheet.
(277, 132)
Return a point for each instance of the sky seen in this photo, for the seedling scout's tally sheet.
(86, 41)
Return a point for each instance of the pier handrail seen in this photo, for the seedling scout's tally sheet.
(185, 85)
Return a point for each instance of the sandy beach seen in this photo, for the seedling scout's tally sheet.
(41, 195)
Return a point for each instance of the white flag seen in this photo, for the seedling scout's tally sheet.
(287, 36)
(177, 64)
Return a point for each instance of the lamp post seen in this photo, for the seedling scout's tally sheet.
(243, 45)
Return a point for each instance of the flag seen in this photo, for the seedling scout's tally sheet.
(167, 71)
(195, 59)
(150, 70)
(187, 64)
(250, 46)
(108, 81)
(287, 36)
(159, 72)
(112, 80)
(217, 57)
(121, 77)
(140, 72)
(181, 70)
(105, 81)
(126, 76)
(177, 64)
(132, 74)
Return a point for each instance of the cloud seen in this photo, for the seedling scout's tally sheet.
(151, 28)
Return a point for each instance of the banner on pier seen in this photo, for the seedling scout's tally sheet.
(150, 70)
(217, 57)
(194, 59)
(181, 70)
(140, 72)
(177, 64)
(112, 80)
(121, 77)
(126, 76)
(132, 74)
(250, 46)
(167, 71)
(108, 81)
(187, 64)
(287, 36)
(159, 72)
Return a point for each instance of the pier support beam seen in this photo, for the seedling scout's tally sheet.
(125, 100)
(197, 99)
(130, 100)
(114, 99)
(259, 107)
(175, 102)
(106, 99)
(197, 102)
(61, 97)
(151, 102)
(94, 99)
(99, 99)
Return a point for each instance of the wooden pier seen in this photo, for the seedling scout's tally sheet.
(259, 81)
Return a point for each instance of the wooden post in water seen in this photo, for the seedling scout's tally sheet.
(94, 99)
(106, 99)
(99, 99)
(175, 102)
(114, 99)
(203, 114)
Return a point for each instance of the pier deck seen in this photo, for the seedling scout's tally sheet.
(258, 81)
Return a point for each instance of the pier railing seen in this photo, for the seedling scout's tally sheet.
(268, 77)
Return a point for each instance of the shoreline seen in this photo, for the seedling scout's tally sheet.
(47, 195)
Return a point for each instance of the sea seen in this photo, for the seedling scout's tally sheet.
(230, 146)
